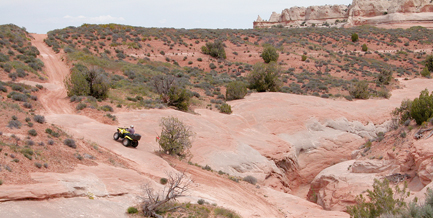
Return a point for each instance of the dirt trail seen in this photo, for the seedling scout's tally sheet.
(55, 100)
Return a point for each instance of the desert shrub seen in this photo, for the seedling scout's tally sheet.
(385, 77)
(226, 109)
(27, 105)
(355, 37)
(132, 210)
(269, 54)
(81, 106)
(32, 132)
(52, 133)
(14, 124)
(214, 49)
(39, 119)
(199, 59)
(425, 72)
(212, 66)
(107, 108)
(250, 179)
(51, 142)
(87, 82)
(364, 47)
(175, 136)
(265, 77)
(221, 212)
(179, 98)
(70, 143)
(163, 181)
(201, 201)
(418, 210)
(38, 165)
(16, 96)
(429, 63)
(162, 52)
(162, 85)
(382, 200)
(304, 57)
(421, 108)
(236, 90)
(359, 90)
(403, 112)
(3, 89)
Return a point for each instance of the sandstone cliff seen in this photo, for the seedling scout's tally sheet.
(360, 12)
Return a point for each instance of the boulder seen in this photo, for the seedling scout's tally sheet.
(336, 187)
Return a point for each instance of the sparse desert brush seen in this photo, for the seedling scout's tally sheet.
(250, 179)
(39, 119)
(225, 108)
(32, 132)
(236, 90)
(70, 143)
(269, 54)
(132, 210)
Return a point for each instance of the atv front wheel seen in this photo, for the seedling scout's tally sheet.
(116, 136)
(126, 142)
(134, 144)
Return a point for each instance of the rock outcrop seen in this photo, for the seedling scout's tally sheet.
(358, 13)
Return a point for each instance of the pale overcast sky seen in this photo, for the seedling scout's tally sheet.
(41, 16)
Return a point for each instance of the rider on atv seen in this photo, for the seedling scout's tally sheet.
(131, 130)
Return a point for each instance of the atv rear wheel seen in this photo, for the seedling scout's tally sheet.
(126, 142)
(116, 136)
(134, 144)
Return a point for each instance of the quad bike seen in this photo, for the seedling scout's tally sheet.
(128, 139)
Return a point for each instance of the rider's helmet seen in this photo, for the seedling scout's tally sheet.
(132, 126)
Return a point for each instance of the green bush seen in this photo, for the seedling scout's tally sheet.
(355, 37)
(221, 212)
(132, 210)
(32, 132)
(236, 90)
(359, 90)
(403, 112)
(384, 77)
(226, 108)
(163, 181)
(70, 143)
(265, 77)
(39, 118)
(270, 54)
(382, 201)
(214, 49)
(81, 106)
(364, 47)
(304, 57)
(429, 63)
(87, 82)
(201, 201)
(179, 98)
(250, 179)
(425, 72)
(107, 108)
(421, 108)
(175, 136)
(38, 165)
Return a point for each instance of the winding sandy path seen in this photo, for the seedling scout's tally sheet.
(55, 101)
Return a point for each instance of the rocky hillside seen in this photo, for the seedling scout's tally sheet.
(360, 12)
